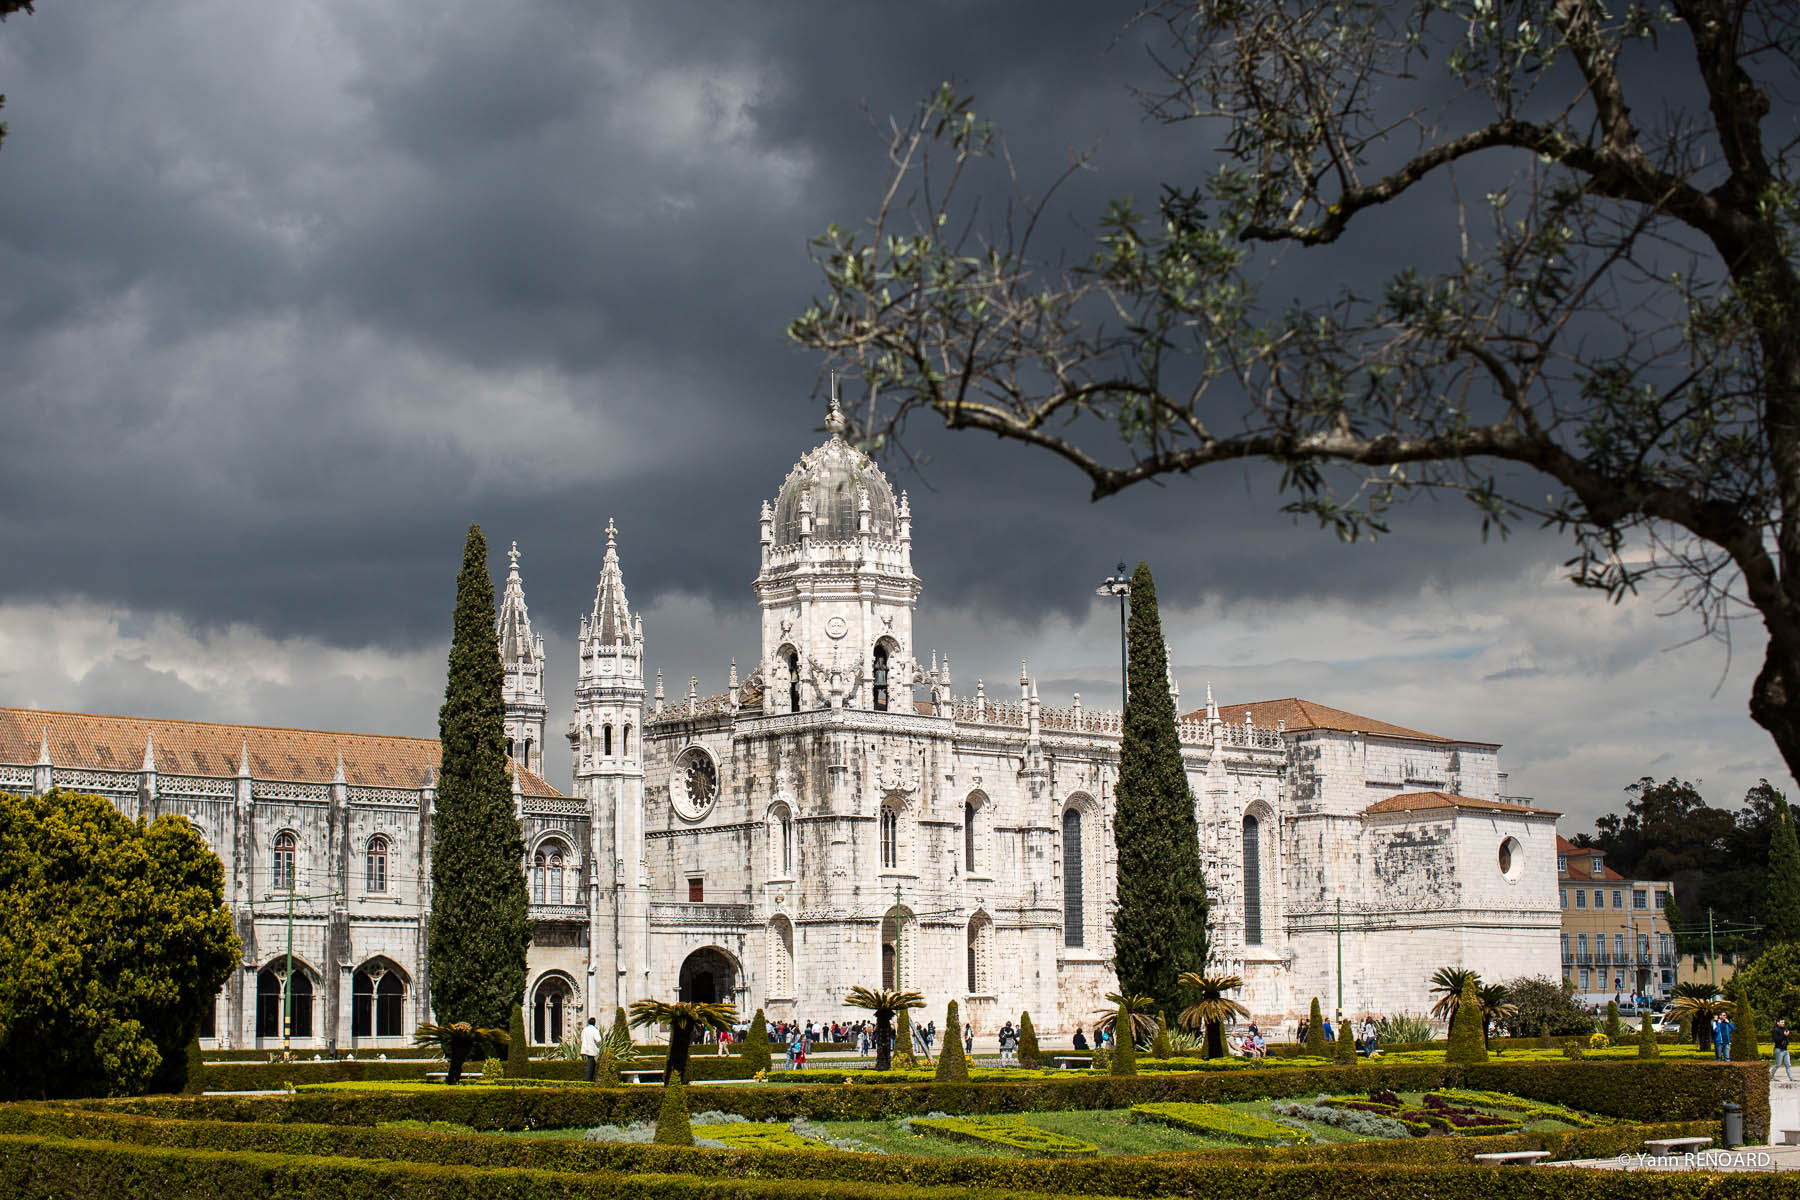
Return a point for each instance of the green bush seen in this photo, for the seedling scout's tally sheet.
(192, 1078)
(1013, 1136)
(952, 1066)
(1467, 1043)
(1615, 1028)
(1216, 1121)
(1029, 1055)
(903, 1046)
(1646, 1040)
(1346, 1046)
(1772, 982)
(1316, 1045)
(755, 1051)
(493, 1068)
(259, 1076)
(1160, 1048)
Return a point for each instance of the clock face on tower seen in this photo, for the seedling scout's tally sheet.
(694, 783)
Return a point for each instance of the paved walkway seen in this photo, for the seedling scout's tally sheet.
(1747, 1158)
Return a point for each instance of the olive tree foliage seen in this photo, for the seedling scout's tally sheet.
(1614, 311)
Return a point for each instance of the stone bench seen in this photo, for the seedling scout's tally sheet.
(1661, 1147)
(641, 1076)
(440, 1076)
(1074, 1064)
(1520, 1157)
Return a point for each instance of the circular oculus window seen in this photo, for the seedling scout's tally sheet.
(1512, 858)
(694, 783)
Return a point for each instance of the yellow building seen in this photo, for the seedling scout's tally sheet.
(1616, 941)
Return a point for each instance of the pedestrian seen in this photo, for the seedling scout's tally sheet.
(793, 1048)
(1300, 1030)
(1330, 1034)
(724, 1042)
(1368, 1037)
(969, 1037)
(1009, 1044)
(590, 1049)
(1722, 1037)
(1780, 1037)
(1081, 1042)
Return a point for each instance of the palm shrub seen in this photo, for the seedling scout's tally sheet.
(952, 1065)
(518, 1051)
(1215, 1008)
(1346, 1046)
(684, 1019)
(1697, 1004)
(1646, 1039)
(672, 1125)
(1403, 1027)
(884, 1003)
(1028, 1047)
(1447, 985)
(755, 1050)
(458, 1042)
(1615, 1028)
(1160, 1048)
(1466, 1043)
(1315, 1032)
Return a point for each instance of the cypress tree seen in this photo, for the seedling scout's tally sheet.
(1160, 925)
(1160, 1048)
(672, 1125)
(1782, 899)
(1467, 1044)
(1646, 1040)
(952, 1066)
(479, 929)
(1346, 1046)
(1315, 1032)
(1615, 1028)
(755, 1051)
(518, 1050)
(1029, 1055)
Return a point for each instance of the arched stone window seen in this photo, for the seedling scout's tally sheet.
(625, 742)
(975, 819)
(880, 675)
(287, 846)
(899, 948)
(527, 753)
(377, 1002)
(550, 874)
(781, 959)
(1253, 883)
(781, 842)
(890, 837)
(790, 658)
(981, 955)
(375, 865)
(550, 1010)
(269, 1003)
(606, 740)
(509, 748)
(1074, 880)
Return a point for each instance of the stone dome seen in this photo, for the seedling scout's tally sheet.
(832, 474)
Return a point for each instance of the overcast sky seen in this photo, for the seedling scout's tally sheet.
(291, 294)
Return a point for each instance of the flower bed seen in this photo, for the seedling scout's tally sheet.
(1434, 1113)
(1026, 1138)
(1528, 1110)
(1217, 1121)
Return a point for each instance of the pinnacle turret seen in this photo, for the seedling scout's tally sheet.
(522, 657)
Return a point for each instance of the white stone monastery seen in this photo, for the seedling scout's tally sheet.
(837, 818)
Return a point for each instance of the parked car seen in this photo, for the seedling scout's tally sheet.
(1668, 1024)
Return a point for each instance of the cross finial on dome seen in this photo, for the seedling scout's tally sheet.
(512, 557)
(612, 534)
(834, 415)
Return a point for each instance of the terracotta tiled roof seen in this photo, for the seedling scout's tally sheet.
(1420, 801)
(1310, 714)
(85, 741)
(1579, 861)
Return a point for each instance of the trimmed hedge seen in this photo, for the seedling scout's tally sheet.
(40, 1169)
(1130, 1175)
(1013, 1136)
(252, 1076)
(1218, 1121)
(1642, 1090)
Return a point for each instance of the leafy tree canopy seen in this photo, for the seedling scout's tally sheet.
(1615, 312)
(114, 939)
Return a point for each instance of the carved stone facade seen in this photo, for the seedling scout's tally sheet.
(840, 818)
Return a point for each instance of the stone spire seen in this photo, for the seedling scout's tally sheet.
(518, 646)
(522, 658)
(611, 618)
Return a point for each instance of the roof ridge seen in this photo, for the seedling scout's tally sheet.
(58, 712)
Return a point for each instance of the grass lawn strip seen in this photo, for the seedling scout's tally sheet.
(1013, 1136)
(1223, 1122)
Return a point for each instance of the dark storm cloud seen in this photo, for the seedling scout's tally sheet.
(292, 295)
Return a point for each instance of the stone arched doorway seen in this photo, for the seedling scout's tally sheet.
(709, 976)
(552, 1010)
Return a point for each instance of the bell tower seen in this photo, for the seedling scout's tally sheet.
(836, 585)
(606, 739)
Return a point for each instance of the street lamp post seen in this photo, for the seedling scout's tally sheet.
(1119, 585)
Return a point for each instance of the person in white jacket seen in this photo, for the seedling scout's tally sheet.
(590, 1049)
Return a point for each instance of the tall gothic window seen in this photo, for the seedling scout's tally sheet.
(890, 838)
(785, 827)
(377, 1003)
(547, 874)
(375, 866)
(625, 742)
(1074, 881)
(881, 679)
(793, 667)
(286, 845)
(269, 1004)
(606, 741)
(1253, 929)
(527, 754)
(969, 836)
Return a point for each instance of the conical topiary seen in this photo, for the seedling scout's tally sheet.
(1315, 1032)
(621, 1029)
(952, 1067)
(606, 1069)
(1467, 1045)
(904, 1058)
(1160, 1048)
(755, 1051)
(672, 1126)
(1744, 1046)
(1029, 1056)
(1124, 1053)
(1615, 1028)
(518, 1050)
(1646, 1039)
(1346, 1046)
